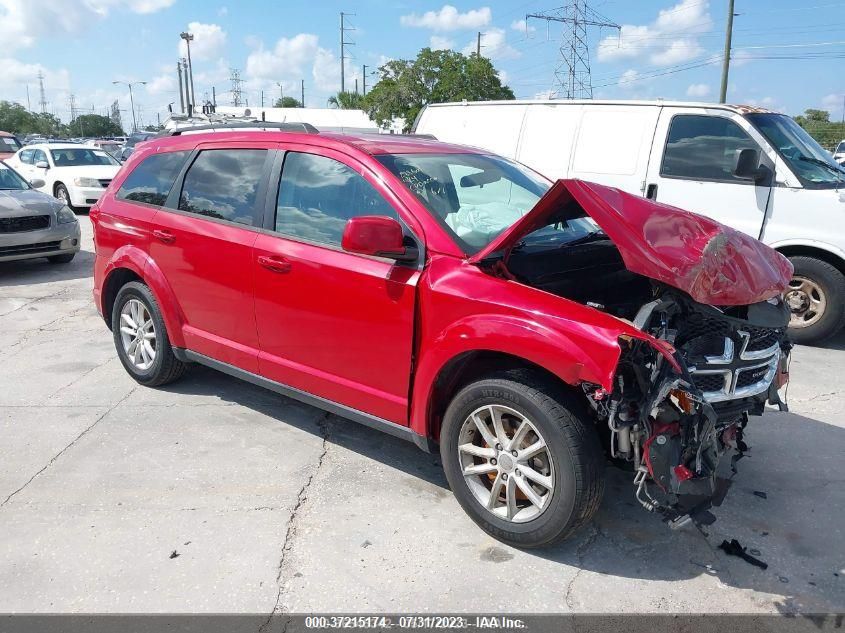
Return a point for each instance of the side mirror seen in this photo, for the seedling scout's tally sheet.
(378, 236)
(748, 165)
(42, 164)
(36, 183)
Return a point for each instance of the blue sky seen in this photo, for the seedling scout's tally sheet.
(667, 48)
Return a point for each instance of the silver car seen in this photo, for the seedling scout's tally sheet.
(34, 224)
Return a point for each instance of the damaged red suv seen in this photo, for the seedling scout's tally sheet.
(448, 296)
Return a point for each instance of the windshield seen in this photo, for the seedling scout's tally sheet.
(81, 157)
(840, 149)
(476, 197)
(813, 166)
(10, 180)
(9, 144)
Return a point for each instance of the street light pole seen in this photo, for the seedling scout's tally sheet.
(726, 60)
(132, 99)
(188, 37)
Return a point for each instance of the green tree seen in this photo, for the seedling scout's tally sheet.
(407, 86)
(94, 125)
(818, 125)
(347, 101)
(16, 119)
(287, 102)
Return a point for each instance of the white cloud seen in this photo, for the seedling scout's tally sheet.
(523, 27)
(25, 21)
(208, 43)
(162, 84)
(449, 18)
(629, 78)
(546, 94)
(438, 43)
(832, 102)
(698, 90)
(494, 45)
(288, 58)
(670, 39)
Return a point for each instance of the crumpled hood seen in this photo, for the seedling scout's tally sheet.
(711, 262)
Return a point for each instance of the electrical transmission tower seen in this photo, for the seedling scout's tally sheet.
(43, 102)
(573, 73)
(343, 44)
(237, 82)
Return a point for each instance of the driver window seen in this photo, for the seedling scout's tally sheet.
(26, 156)
(39, 156)
(704, 148)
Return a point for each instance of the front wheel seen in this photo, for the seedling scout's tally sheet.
(521, 458)
(816, 300)
(63, 195)
(141, 338)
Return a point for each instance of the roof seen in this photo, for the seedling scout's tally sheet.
(373, 144)
(738, 108)
(46, 146)
(2, 133)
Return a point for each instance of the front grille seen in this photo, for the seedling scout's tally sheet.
(23, 224)
(751, 377)
(709, 382)
(24, 249)
(105, 182)
(761, 338)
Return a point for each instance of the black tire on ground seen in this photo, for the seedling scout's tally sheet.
(832, 282)
(562, 419)
(64, 258)
(166, 368)
(61, 190)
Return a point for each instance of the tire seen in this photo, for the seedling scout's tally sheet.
(574, 461)
(61, 193)
(164, 367)
(829, 285)
(64, 258)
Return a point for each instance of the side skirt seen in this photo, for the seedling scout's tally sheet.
(379, 424)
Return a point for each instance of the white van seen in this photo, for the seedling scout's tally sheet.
(755, 170)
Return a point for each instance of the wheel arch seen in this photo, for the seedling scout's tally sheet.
(822, 253)
(56, 185)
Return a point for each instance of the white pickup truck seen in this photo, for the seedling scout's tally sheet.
(749, 168)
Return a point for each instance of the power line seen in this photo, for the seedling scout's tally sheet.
(575, 82)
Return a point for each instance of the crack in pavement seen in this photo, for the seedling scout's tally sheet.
(580, 554)
(74, 441)
(80, 377)
(302, 496)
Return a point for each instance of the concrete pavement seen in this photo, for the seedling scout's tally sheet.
(212, 495)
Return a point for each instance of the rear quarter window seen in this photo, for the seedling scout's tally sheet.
(150, 182)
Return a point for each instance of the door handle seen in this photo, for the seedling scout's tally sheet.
(651, 192)
(164, 236)
(275, 264)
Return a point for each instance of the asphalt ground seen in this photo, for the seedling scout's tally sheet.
(212, 495)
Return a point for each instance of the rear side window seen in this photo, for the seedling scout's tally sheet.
(317, 195)
(223, 184)
(26, 156)
(704, 148)
(150, 181)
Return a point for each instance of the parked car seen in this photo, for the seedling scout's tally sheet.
(839, 153)
(112, 147)
(33, 224)
(9, 144)
(447, 295)
(75, 174)
(752, 169)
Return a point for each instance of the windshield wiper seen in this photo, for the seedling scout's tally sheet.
(817, 161)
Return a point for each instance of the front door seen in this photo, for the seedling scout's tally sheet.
(331, 323)
(692, 164)
(202, 242)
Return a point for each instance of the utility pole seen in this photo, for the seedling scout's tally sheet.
(262, 98)
(343, 45)
(356, 85)
(302, 92)
(281, 92)
(213, 96)
(131, 99)
(43, 102)
(726, 60)
(28, 104)
(478, 45)
(235, 78)
(573, 73)
(181, 95)
(188, 37)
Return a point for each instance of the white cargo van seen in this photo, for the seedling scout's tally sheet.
(755, 170)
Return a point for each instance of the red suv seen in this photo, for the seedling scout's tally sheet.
(449, 296)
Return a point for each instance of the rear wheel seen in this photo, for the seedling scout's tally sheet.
(522, 459)
(816, 299)
(141, 338)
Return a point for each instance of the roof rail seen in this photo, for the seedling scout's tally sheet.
(239, 125)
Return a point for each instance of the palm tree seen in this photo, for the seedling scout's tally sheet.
(347, 101)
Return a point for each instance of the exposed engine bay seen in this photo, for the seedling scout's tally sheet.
(677, 416)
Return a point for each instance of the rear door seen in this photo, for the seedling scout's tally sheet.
(202, 242)
(331, 323)
(692, 165)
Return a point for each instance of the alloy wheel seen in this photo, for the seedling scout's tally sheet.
(138, 334)
(806, 300)
(506, 463)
